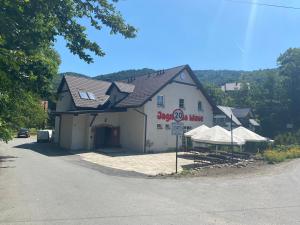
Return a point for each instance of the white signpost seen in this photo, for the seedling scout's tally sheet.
(177, 127)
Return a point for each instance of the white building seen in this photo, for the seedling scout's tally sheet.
(234, 86)
(135, 115)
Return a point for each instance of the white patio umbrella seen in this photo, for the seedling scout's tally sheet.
(217, 136)
(248, 135)
(196, 130)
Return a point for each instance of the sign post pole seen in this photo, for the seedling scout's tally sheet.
(176, 152)
(177, 129)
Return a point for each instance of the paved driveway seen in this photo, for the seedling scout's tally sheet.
(42, 186)
(149, 164)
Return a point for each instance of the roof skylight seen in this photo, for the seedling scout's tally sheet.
(91, 95)
(83, 95)
(87, 95)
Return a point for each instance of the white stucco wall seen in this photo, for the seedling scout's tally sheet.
(132, 130)
(79, 132)
(64, 102)
(161, 138)
(66, 131)
(56, 127)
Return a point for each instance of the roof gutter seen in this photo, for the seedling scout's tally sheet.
(76, 112)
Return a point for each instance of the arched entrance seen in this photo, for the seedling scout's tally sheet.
(106, 136)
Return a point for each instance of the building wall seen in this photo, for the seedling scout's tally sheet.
(79, 132)
(56, 127)
(132, 124)
(184, 77)
(102, 119)
(161, 139)
(64, 102)
(115, 95)
(66, 131)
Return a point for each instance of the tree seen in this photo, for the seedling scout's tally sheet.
(28, 63)
(269, 102)
(218, 96)
(31, 24)
(243, 97)
(289, 69)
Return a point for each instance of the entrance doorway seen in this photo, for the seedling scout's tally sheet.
(106, 137)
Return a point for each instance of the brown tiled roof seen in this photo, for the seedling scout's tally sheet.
(146, 86)
(125, 87)
(97, 87)
(140, 89)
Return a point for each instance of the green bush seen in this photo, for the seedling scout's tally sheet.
(276, 156)
(288, 138)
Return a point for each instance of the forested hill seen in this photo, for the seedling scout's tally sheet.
(216, 77)
(125, 74)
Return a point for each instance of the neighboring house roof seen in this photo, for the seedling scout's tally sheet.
(228, 112)
(238, 114)
(150, 84)
(241, 113)
(231, 86)
(97, 87)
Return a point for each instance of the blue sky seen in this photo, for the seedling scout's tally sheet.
(206, 34)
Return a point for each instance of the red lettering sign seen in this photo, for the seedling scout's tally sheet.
(169, 117)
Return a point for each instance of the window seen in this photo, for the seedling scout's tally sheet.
(160, 101)
(200, 106)
(83, 95)
(181, 103)
(91, 96)
(87, 95)
(159, 126)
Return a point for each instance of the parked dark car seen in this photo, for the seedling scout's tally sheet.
(24, 132)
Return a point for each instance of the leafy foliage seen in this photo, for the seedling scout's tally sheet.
(125, 74)
(28, 63)
(272, 94)
(289, 69)
(288, 138)
(28, 25)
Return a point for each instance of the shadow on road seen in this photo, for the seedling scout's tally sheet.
(48, 149)
(6, 159)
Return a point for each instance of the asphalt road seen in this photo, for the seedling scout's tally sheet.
(41, 186)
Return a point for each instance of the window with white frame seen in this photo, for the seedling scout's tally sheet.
(200, 106)
(181, 103)
(160, 101)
